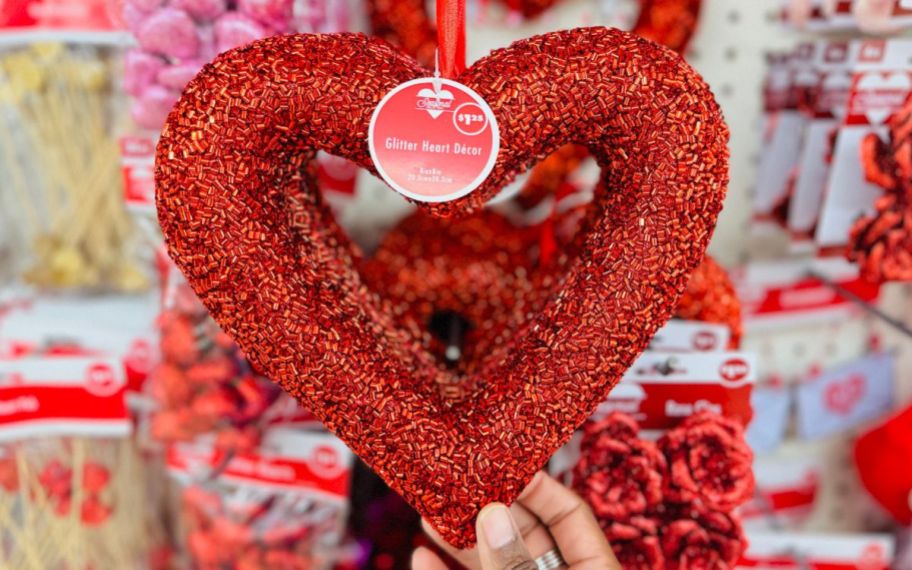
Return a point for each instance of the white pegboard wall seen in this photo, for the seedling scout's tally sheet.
(728, 50)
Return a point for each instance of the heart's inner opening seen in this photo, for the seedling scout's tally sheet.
(450, 328)
(470, 283)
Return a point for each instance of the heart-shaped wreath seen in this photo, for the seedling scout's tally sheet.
(244, 222)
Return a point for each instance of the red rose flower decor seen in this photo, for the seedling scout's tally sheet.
(667, 504)
(709, 462)
(881, 243)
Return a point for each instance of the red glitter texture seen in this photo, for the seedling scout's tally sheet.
(671, 23)
(618, 474)
(709, 461)
(882, 243)
(244, 223)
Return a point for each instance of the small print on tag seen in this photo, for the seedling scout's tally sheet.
(433, 139)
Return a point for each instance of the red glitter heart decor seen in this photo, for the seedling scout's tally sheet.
(244, 222)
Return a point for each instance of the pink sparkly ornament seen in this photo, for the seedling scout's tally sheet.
(170, 32)
(151, 109)
(133, 17)
(275, 13)
(234, 30)
(202, 10)
(140, 71)
(179, 75)
(146, 6)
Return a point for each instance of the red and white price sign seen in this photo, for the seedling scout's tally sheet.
(62, 396)
(806, 551)
(88, 21)
(686, 336)
(288, 460)
(661, 389)
(137, 165)
(433, 140)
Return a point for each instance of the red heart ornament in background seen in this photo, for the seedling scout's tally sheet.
(841, 396)
(477, 269)
(245, 224)
(478, 274)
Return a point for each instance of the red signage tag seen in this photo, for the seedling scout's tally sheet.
(433, 140)
(289, 459)
(62, 396)
(661, 389)
(76, 21)
(137, 165)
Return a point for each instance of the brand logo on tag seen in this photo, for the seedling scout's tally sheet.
(101, 381)
(872, 51)
(877, 95)
(841, 396)
(434, 102)
(433, 140)
(872, 557)
(705, 340)
(734, 369)
(326, 462)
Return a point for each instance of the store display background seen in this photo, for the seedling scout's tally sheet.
(729, 51)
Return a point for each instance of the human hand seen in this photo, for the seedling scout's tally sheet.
(545, 517)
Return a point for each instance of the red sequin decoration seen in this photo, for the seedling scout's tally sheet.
(636, 543)
(243, 221)
(478, 268)
(882, 243)
(481, 268)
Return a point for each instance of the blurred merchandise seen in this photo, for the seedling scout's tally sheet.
(767, 425)
(283, 506)
(73, 231)
(69, 469)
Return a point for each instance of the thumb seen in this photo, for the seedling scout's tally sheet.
(500, 544)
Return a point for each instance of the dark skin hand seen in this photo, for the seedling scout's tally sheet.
(546, 515)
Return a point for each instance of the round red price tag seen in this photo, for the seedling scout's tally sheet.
(433, 140)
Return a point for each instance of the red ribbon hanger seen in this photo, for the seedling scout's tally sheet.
(451, 38)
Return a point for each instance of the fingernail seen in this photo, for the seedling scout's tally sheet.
(497, 525)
